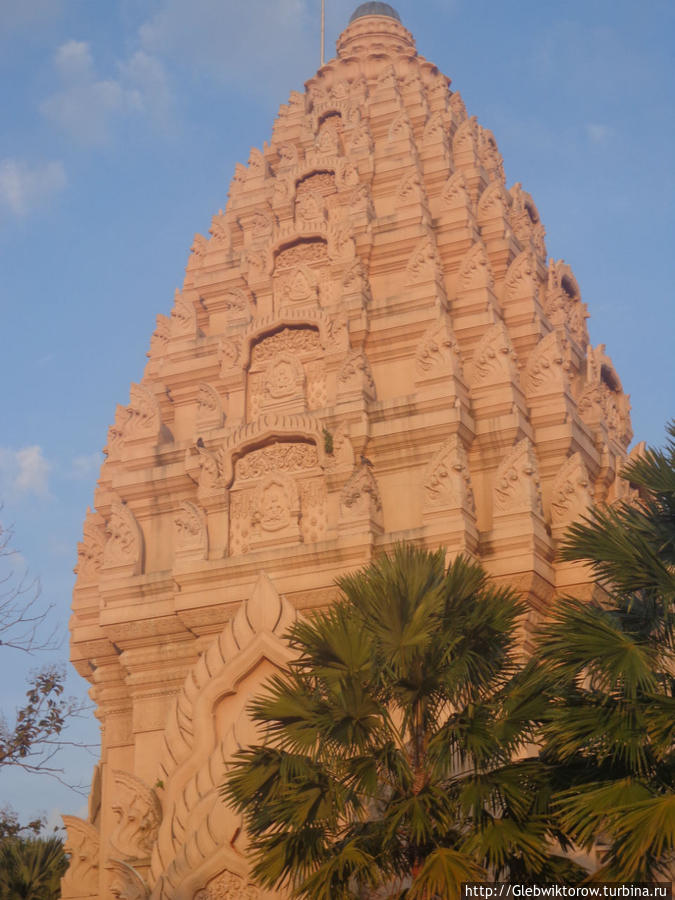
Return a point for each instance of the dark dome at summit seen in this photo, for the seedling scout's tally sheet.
(375, 9)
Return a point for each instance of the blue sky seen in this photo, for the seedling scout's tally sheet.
(122, 123)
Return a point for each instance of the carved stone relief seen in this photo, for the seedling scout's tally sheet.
(209, 408)
(475, 272)
(82, 848)
(124, 547)
(517, 482)
(183, 317)
(284, 384)
(571, 496)
(238, 306)
(90, 549)
(446, 478)
(191, 538)
(424, 264)
(494, 360)
(229, 886)
(360, 500)
(355, 378)
(144, 418)
(124, 881)
(438, 352)
(137, 814)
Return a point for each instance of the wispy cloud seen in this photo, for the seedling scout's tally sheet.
(598, 133)
(27, 13)
(218, 35)
(88, 107)
(25, 187)
(24, 471)
(84, 467)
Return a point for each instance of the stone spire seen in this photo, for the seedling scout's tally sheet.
(370, 345)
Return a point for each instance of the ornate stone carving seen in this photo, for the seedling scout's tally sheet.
(475, 272)
(546, 367)
(90, 549)
(355, 377)
(229, 886)
(125, 882)
(346, 174)
(571, 495)
(435, 130)
(360, 141)
(424, 264)
(455, 194)
(494, 360)
(183, 317)
(209, 408)
(206, 468)
(287, 456)
(239, 306)
(411, 189)
(288, 156)
(284, 382)
(360, 497)
(296, 341)
(276, 505)
(341, 247)
(521, 281)
(517, 482)
(124, 547)
(137, 814)
(144, 419)
(82, 848)
(160, 337)
(220, 232)
(257, 167)
(447, 482)
(355, 281)
(400, 129)
(309, 208)
(198, 250)
(229, 351)
(563, 301)
(489, 155)
(302, 252)
(342, 458)
(302, 286)
(438, 353)
(115, 445)
(191, 537)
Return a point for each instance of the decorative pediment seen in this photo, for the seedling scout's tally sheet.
(355, 377)
(438, 353)
(494, 360)
(183, 317)
(475, 272)
(124, 546)
(346, 175)
(546, 367)
(447, 483)
(82, 847)
(191, 537)
(400, 129)
(521, 281)
(360, 499)
(160, 337)
(90, 549)
(424, 264)
(517, 482)
(137, 813)
(206, 468)
(571, 495)
(124, 881)
(288, 156)
(144, 419)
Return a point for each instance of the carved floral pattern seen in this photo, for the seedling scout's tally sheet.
(137, 813)
(446, 478)
(571, 495)
(190, 531)
(124, 546)
(82, 847)
(290, 456)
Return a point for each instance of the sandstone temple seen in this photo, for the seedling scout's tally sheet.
(370, 346)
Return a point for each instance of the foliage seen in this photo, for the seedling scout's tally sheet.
(389, 743)
(31, 740)
(608, 673)
(31, 868)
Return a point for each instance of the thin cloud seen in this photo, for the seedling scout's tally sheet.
(598, 133)
(86, 466)
(89, 107)
(25, 187)
(24, 471)
(243, 43)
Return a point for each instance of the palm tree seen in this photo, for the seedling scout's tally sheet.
(31, 868)
(608, 672)
(388, 762)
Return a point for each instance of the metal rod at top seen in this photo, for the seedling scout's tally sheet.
(323, 29)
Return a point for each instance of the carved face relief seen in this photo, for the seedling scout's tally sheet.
(284, 377)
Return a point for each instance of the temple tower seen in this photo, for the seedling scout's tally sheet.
(370, 346)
